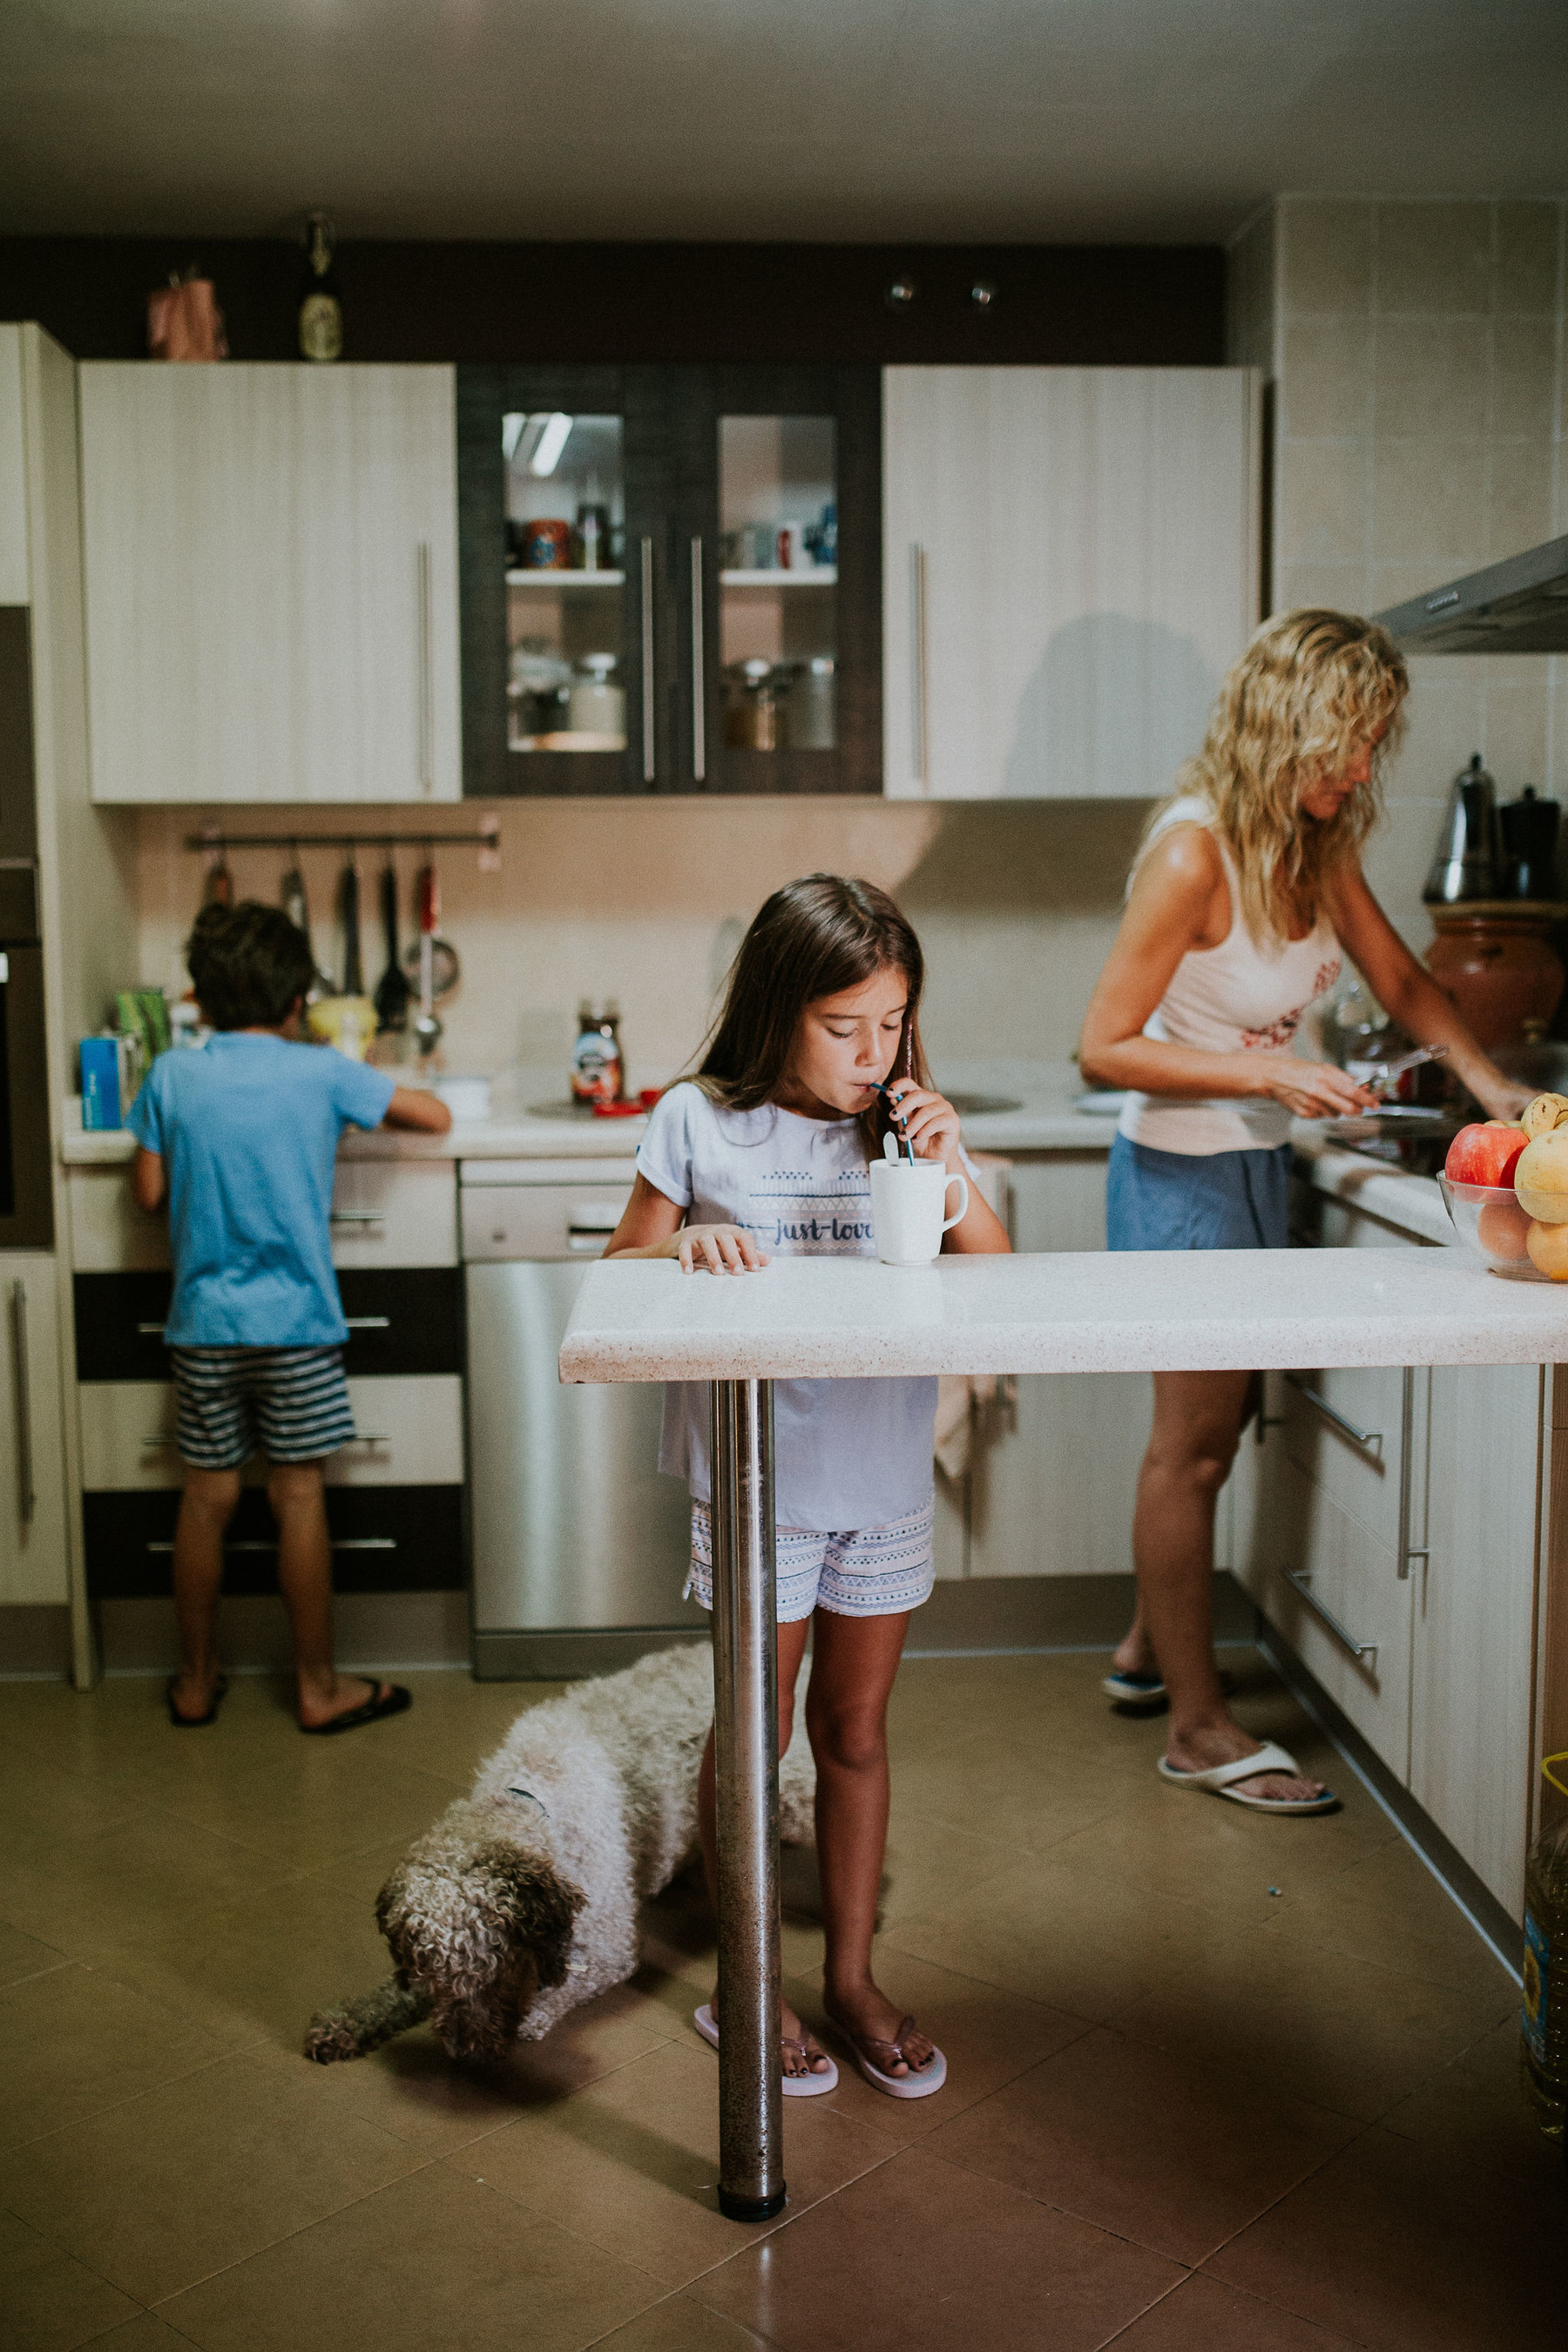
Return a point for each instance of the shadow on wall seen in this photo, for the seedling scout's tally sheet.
(1050, 857)
(1114, 708)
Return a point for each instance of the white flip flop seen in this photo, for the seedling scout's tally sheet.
(1270, 1757)
(1133, 1690)
(796, 2086)
(912, 2085)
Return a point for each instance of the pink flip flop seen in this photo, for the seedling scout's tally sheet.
(796, 2086)
(915, 2085)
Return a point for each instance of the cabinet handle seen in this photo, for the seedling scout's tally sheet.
(699, 687)
(1371, 1438)
(1407, 1551)
(368, 1322)
(149, 1330)
(426, 685)
(917, 661)
(1298, 1580)
(262, 1543)
(27, 1495)
(357, 1217)
(649, 756)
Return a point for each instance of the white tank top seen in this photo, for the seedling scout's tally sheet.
(1237, 998)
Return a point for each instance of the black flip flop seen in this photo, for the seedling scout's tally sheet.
(374, 1709)
(195, 1722)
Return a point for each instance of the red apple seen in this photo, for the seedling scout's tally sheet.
(1484, 1154)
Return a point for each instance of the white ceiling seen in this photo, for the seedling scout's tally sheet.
(856, 119)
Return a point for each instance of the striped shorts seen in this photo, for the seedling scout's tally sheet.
(291, 1403)
(867, 1572)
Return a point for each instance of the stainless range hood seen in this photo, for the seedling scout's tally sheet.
(1517, 607)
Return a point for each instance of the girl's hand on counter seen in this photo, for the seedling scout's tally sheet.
(1308, 1089)
(718, 1249)
(930, 1122)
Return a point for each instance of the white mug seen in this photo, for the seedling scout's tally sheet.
(906, 1202)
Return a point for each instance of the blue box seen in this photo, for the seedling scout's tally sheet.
(101, 1106)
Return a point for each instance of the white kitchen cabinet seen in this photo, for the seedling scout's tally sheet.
(383, 1213)
(14, 573)
(271, 570)
(1052, 1493)
(33, 1551)
(1475, 1609)
(1071, 565)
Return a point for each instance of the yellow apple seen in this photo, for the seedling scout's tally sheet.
(1540, 1178)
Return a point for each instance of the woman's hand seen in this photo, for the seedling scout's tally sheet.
(718, 1249)
(929, 1122)
(1308, 1089)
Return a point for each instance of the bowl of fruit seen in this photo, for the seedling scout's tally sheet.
(1505, 1184)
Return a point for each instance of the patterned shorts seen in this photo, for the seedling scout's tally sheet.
(291, 1403)
(868, 1572)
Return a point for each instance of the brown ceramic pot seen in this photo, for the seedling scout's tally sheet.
(1491, 959)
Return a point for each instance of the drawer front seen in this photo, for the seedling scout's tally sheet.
(540, 1221)
(384, 1539)
(408, 1320)
(384, 1212)
(1305, 1560)
(395, 1213)
(410, 1433)
(1344, 1431)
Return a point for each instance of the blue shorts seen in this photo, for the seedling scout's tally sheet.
(1196, 1201)
(292, 1403)
(865, 1572)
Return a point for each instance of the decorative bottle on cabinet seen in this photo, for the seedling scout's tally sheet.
(320, 312)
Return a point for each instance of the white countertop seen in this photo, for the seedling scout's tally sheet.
(1229, 1311)
(1047, 1122)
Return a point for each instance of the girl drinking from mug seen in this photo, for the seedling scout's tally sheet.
(765, 1152)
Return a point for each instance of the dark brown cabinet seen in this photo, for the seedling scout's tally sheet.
(671, 579)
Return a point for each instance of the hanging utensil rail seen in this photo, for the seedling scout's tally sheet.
(485, 839)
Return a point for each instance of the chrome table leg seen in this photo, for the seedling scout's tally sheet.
(746, 1714)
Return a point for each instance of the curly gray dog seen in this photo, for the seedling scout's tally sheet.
(521, 1902)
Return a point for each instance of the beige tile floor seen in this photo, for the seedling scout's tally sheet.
(1216, 2081)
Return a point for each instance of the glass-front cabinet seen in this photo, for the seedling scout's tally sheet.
(671, 579)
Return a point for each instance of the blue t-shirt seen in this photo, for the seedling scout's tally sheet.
(248, 1131)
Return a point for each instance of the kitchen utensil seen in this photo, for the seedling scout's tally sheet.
(297, 907)
(1470, 861)
(1378, 1074)
(218, 888)
(348, 908)
(391, 990)
(1529, 826)
(428, 893)
(908, 1197)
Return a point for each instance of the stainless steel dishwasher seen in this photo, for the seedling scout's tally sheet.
(579, 1546)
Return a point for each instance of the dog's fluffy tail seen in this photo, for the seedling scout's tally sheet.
(358, 2027)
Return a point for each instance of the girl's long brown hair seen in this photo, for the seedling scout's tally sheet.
(812, 938)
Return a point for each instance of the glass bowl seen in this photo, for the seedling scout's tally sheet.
(1489, 1220)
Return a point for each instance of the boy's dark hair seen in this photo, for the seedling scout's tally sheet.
(812, 938)
(250, 965)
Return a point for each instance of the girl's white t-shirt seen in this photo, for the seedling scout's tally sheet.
(846, 1454)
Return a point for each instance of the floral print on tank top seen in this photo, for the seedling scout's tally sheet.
(1281, 1032)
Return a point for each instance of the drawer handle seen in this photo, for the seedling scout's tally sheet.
(26, 1494)
(357, 1217)
(259, 1543)
(588, 1245)
(1371, 1438)
(1298, 1582)
(372, 1437)
(149, 1330)
(368, 1322)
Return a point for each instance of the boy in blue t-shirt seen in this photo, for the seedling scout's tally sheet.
(242, 1139)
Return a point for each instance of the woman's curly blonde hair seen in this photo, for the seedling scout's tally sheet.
(1311, 689)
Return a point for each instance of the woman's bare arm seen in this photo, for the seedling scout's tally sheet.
(1180, 902)
(1407, 990)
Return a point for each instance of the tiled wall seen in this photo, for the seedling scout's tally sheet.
(1417, 351)
(1015, 906)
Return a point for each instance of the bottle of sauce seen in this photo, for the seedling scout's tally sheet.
(598, 1072)
(320, 312)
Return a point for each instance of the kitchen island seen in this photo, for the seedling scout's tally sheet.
(1066, 1313)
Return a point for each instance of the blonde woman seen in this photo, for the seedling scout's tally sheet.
(1246, 892)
